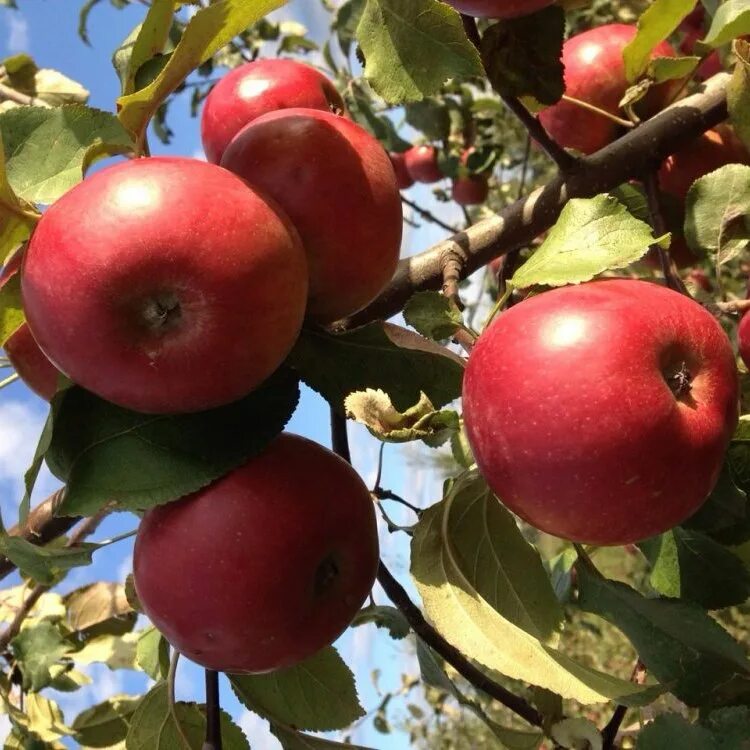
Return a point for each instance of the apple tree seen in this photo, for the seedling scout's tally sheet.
(571, 356)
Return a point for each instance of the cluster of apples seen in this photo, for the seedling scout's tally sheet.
(169, 285)
(421, 164)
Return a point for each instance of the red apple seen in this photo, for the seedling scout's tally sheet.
(337, 185)
(264, 567)
(422, 164)
(470, 191)
(256, 88)
(498, 8)
(184, 289)
(595, 73)
(24, 354)
(403, 177)
(714, 149)
(601, 413)
(743, 339)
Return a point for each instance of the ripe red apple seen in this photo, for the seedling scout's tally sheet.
(337, 185)
(714, 149)
(601, 413)
(470, 191)
(24, 354)
(422, 164)
(184, 289)
(595, 73)
(256, 88)
(264, 567)
(743, 339)
(403, 177)
(498, 8)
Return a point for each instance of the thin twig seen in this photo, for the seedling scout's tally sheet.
(425, 214)
(397, 594)
(668, 266)
(622, 122)
(11, 95)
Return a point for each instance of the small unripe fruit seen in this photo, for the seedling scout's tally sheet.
(264, 567)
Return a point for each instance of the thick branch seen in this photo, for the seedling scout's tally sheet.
(41, 527)
(518, 224)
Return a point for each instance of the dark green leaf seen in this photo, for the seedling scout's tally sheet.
(378, 356)
(291, 739)
(433, 315)
(105, 724)
(152, 654)
(384, 617)
(106, 453)
(36, 649)
(522, 55)
(45, 564)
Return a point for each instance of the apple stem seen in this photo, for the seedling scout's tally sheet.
(668, 267)
(621, 121)
(398, 595)
(213, 712)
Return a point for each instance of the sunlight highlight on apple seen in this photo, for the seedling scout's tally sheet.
(565, 332)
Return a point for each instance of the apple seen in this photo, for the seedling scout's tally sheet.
(403, 178)
(23, 353)
(743, 339)
(595, 73)
(184, 288)
(600, 413)
(264, 567)
(422, 164)
(337, 185)
(256, 88)
(498, 8)
(470, 191)
(715, 148)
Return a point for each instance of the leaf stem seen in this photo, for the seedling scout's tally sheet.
(621, 121)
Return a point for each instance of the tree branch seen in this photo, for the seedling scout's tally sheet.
(518, 224)
(41, 527)
(397, 594)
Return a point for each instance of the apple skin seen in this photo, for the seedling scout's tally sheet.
(573, 423)
(595, 73)
(707, 153)
(470, 191)
(337, 185)
(743, 339)
(265, 567)
(422, 164)
(498, 8)
(184, 289)
(403, 178)
(24, 354)
(256, 88)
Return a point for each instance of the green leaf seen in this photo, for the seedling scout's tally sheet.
(433, 315)
(11, 308)
(152, 654)
(717, 210)
(32, 473)
(591, 236)
(738, 92)
(420, 422)
(67, 679)
(689, 565)
(48, 607)
(36, 649)
(662, 69)
(429, 116)
(380, 126)
(152, 36)
(412, 48)
(206, 33)
(731, 20)
(319, 694)
(83, 19)
(42, 719)
(522, 56)
(106, 453)
(655, 24)
(578, 732)
(680, 645)
(379, 356)
(17, 219)
(99, 607)
(486, 591)
(672, 730)
(345, 22)
(291, 739)
(106, 723)
(116, 651)
(50, 149)
(45, 564)
(383, 617)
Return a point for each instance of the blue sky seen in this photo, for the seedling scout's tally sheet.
(47, 30)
